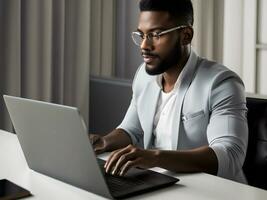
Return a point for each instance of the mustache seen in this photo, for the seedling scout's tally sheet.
(147, 53)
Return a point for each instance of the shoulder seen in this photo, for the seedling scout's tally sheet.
(141, 79)
(213, 74)
(214, 82)
(224, 85)
(214, 71)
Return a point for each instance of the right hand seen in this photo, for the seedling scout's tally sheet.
(98, 142)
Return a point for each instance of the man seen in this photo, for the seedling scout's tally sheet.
(187, 114)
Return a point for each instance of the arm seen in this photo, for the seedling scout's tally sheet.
(227, 131)
(116, 139)
(201, 159)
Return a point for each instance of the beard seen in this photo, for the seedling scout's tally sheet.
(168, 62)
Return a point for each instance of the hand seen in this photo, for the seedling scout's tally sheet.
(120, 161)
(98, 142)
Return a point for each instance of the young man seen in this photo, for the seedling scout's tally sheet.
(187, 114)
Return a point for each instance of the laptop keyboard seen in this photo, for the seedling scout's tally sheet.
(119, 183)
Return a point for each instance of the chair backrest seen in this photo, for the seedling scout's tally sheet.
(109, 101)
(255, 166)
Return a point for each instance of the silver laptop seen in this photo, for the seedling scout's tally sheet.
(55, 142)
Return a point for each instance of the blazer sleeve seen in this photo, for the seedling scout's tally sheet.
(131, 123)
(227, 131)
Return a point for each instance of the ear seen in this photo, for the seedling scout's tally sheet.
(187, 35)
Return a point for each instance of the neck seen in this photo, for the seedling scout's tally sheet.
(170, 77)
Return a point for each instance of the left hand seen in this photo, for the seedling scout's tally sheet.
(120, 161)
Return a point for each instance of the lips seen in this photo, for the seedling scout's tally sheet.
(148, 58)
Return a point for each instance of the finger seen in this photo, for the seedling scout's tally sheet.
(113, 154)
(121, 162)
(98, 150)
(107, 165)
(128, 166)
(112, 160)
(94, 138)
(110, 157)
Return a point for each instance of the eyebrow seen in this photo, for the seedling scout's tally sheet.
(152, 29)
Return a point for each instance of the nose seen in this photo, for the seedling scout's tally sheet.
(146, 44)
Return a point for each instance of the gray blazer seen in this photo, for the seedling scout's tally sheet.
(210, 110)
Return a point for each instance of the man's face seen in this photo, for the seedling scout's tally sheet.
(165, 54)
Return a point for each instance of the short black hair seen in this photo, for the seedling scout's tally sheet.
(180, 10)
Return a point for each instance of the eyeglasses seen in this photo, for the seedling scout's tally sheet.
(152, 37)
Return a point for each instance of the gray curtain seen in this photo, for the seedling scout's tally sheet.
(44, 52)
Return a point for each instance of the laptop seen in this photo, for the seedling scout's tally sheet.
(55, 142)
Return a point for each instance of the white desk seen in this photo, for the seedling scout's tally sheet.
(198, 186)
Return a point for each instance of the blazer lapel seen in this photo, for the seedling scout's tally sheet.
(148, 108)
(186, 80)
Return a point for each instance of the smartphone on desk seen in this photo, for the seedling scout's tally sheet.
(9, 190)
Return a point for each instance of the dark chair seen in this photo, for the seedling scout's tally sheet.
(109, 101)
(255, 166)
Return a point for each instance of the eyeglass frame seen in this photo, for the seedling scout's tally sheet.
(155, 34)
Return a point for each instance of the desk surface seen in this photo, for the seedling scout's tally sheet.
(198, 186)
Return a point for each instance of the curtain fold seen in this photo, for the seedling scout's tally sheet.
(208, 25)
(44, 52)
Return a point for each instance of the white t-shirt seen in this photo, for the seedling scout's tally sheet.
(165, 116)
